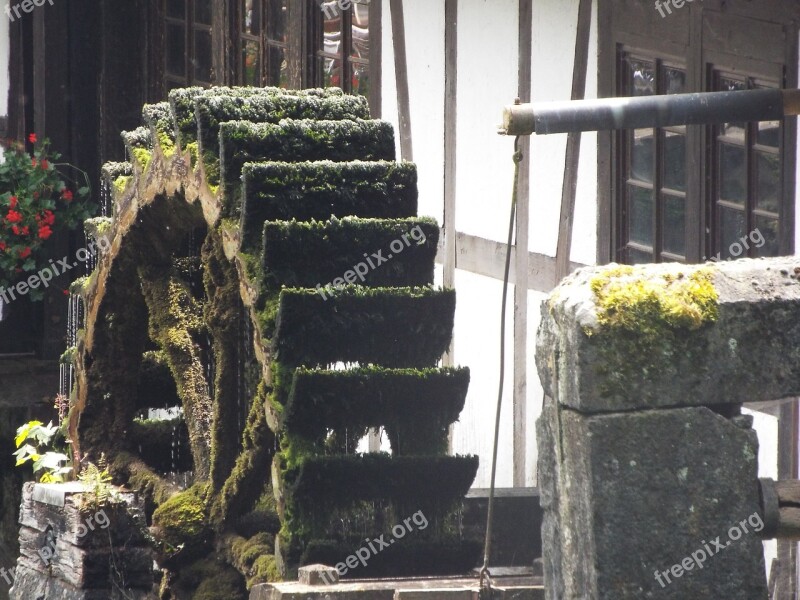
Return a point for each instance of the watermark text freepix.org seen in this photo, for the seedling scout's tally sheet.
(333, 8)
(377, 545)
(736, 249)
(362, 269)
(99, 520)
(55, 269)
(707, 550)
(665, 4)
(26, 6)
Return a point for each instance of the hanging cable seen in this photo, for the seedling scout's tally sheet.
(485, 576)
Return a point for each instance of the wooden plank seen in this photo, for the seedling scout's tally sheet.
(487, 258)
(520, 391)
(570, 182)
(450, 138)
(450, 171)
(401, 78)
(376, 59)
(606, 56)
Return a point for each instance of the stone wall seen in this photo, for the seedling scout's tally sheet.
(648, 470)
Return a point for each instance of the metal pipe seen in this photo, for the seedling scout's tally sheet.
(650, 111)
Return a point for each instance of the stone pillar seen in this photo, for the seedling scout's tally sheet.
(648, 471)
(71, 550)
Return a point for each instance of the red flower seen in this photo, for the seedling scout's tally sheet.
(33, 162)
(13, 201)
(3, 246)
(45, 232)
(25, 252)
(15, 229)
(45, 164)
(66, 292)
(13, 216)
(32, 138)
(49, 217)
(25, 230)
(67, 195)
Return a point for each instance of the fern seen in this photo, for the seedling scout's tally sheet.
(97, 481)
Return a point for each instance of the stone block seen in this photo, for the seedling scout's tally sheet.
(631, 494)
(317, 575)
(748, 353)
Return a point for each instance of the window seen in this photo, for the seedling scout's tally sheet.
(341, 51)
(654, 191)
(188, 43)
(263, 42)
(747, 193)
(687, 194)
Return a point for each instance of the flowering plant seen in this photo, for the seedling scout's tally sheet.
(35, 202)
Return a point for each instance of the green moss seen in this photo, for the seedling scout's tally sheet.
(121, 183)
(644, 322)
(194, 153)
(629, 299)
(167, 145)
(68, 357)
(143, 157)
(265, 570)
(181, 520)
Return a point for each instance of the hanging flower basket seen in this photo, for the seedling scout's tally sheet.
(37, 199)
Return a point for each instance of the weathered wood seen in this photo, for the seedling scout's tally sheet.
(788, 492)
(571, 163)
(520, 390)
(401, 79)
(450, 154)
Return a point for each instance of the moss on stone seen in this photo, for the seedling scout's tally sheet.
(181, 520)
(644, 318)
(629, 299)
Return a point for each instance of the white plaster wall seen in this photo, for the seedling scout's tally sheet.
(424, 22)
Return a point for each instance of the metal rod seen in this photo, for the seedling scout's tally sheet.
(650, 111)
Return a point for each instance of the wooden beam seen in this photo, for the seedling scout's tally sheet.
(520, 392)
(401, 78)
(450, 155)
(376, 60)
(487, 258)
(570, 183)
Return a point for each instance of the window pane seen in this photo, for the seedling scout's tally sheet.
(637, 257)
(277, 11)
(361, 79)
(733, 173)
(642, 79)
(251, 17)
(674, 225)
(360, 32)
(769, 186)
(674, 81)
(176, 50)
(251, 63)
(768, 240)
(675, 160)
(331, 72)
(176, 9)
(202, 55)
(276, 66)
(769, 133)
(731, 231)
(202, 12)
(640, 215)
(642, 155)
(331, 27)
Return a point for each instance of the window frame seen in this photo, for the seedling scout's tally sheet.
(624, 26)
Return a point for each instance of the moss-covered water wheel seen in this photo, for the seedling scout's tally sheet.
(236, 209)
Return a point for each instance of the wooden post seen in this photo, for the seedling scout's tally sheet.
(401, 78)
(570, 183)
